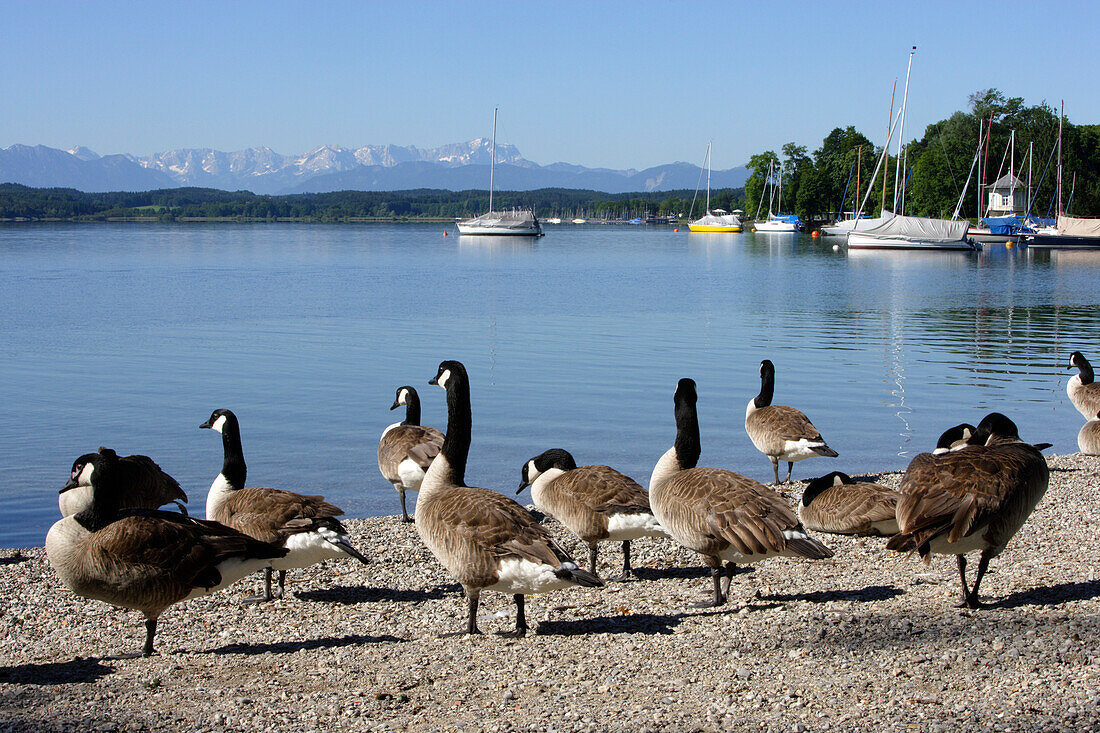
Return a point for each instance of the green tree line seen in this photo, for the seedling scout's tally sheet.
(936, 165)
(22, 202)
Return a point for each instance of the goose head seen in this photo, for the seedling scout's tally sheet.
(995, 426)
(403, 397)
(447, 371)
(954, 438)
(820, 484)
(222, 421)
(554, 458)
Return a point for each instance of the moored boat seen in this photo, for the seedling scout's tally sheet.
(1072, 233)
(518, 222)
(914, 232)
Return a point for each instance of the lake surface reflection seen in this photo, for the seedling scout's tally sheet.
(129, 335)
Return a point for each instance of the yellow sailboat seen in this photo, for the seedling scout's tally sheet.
(718, 220)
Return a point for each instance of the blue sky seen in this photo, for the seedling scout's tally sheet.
(600, 84)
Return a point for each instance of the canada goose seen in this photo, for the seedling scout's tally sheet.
(1083, 392)
(407, 448)
(484, 539)
(149, 560)
(954, 438)
(305, 525)
(838, 504)
(142, 483)
(975, 498)
(720, 514)
(781, 432)
(1088, 440)
(597, 503)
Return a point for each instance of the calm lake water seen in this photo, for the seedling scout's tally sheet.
(129, 335)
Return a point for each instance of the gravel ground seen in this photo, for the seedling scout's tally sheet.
(868, 639)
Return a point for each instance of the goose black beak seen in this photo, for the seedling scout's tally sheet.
(522, 485)
(206, 424)
(434, 380)
(70, 484)
(395, 405)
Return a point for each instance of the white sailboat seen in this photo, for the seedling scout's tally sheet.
(776, 222)
(908, 232)
(518, 222)
(718, 220)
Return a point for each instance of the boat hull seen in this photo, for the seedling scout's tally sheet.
(775, 226)
(861, 240)
(988, 238)
(1061, 241)
(712, 228)
(469, 230)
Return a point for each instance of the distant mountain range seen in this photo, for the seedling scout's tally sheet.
(455, 167)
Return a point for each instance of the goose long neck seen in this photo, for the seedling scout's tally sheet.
(456, 444)
(412, 408)
(1085, 371)
(233, 466)
(687, 446)
(767, 388)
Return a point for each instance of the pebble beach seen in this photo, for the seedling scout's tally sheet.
(868, 639)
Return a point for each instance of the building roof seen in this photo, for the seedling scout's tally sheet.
(1007, 182)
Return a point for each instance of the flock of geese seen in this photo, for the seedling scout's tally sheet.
(971, 494)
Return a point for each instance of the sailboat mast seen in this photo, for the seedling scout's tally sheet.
(886, 150)
(708, 179)
(1030, 150)
(493, 160)
(981, 140)
(901, 130)
(1061, 113)
(859, 168)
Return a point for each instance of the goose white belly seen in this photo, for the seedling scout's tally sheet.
(309, 548)
(517, 575)
(411, 474)
(231, 571)
(799, 450)
(622, 527)
(886, 527)
(969, 543)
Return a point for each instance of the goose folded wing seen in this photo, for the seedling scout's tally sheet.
(499, 525)
(609, 492)
(751, 521)
(788, 423)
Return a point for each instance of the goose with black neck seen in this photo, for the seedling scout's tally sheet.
(146, 560)
(484, 539)
(305, 525)
(407, 448)
(722, 515)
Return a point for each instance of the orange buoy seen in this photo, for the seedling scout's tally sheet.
(444, 232)
(816, 234)
(676, 229)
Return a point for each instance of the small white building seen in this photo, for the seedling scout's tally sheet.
(1007, 196)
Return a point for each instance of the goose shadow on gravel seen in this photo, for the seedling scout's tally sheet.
(15, 559)
(289, 647)
(689, 573)
(869, 594)
(347, 594)
(1049, 595)
(634, 623)
(78, 670)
